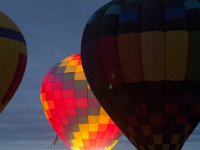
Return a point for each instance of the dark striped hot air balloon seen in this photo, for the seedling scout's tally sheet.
(13, 56)
(142, 61)
(73, 111)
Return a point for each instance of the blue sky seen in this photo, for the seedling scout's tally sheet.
(53, 30)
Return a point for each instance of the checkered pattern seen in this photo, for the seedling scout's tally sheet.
(141, 59)
(13, 57)
(72, 109)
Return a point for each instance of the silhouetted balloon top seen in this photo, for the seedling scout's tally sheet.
(142, 61)
(72, 109)
(13, 57)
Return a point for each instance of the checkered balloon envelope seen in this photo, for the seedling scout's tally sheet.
(72, 109)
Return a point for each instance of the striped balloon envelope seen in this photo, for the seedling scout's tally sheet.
(73, 111)
(13, 57)
(142, 61)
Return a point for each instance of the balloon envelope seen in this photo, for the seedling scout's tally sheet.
(142, 61)
(72, 109)
(13, 56)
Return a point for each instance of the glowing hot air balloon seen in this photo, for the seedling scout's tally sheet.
(142, 61)
(13, 56)
(72, 109)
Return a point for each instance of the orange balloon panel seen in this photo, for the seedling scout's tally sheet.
(72, 109)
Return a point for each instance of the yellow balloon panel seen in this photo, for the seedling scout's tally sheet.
(6, 22)
(4, 53)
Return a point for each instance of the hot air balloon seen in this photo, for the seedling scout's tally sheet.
(141, 59)
(13, 57)
(73, 111)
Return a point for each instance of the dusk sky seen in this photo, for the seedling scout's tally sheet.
(52, 30)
